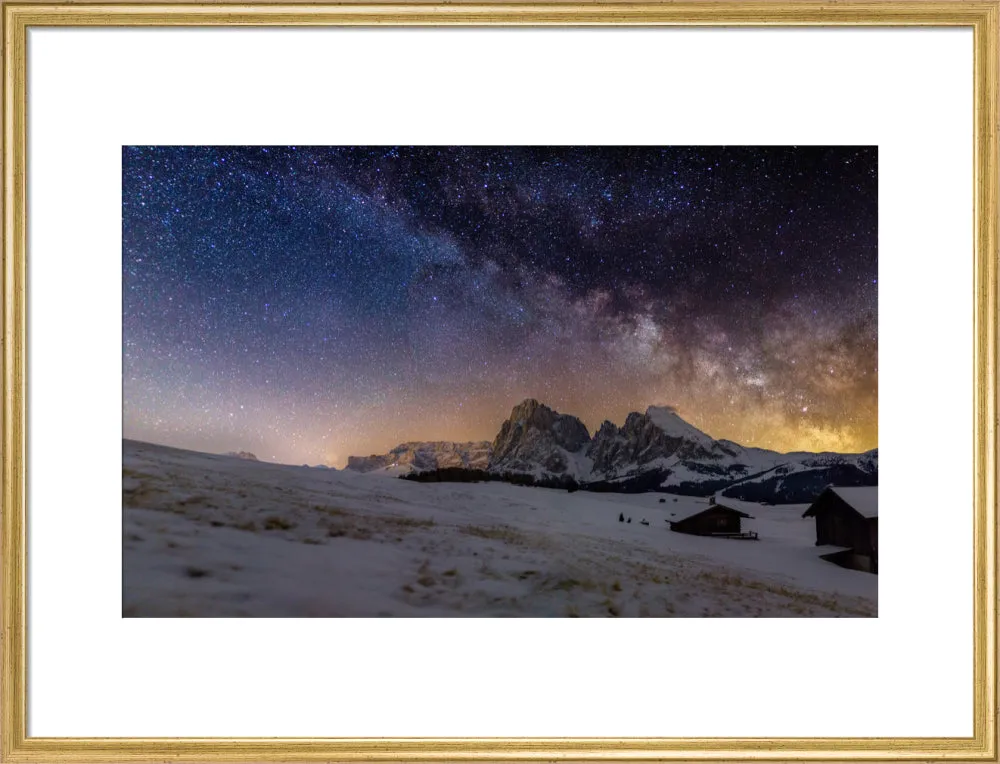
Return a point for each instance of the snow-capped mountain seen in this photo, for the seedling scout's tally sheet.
(538, 441)
(657, 439)
(425, 455)
(656, 450)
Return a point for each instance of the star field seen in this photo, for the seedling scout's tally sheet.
(311, 303)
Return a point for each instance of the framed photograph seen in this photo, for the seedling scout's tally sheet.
(507, 381)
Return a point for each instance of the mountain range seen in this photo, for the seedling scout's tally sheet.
(656, 450)
(425, 455)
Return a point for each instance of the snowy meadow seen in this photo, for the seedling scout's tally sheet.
(219, 536)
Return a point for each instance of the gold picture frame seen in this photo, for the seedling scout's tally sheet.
(981, 17)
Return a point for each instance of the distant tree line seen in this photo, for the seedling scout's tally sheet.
(451, 475)
(466, 475)
(801, 487)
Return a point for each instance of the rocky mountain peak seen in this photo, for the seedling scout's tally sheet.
(669, 421)
(530, 412)
(607, 428)
(659, 436)
(537, 437)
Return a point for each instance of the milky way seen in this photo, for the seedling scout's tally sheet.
(311, 303)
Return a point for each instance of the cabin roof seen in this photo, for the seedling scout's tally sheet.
(863, 500)
(734, 504)
(687, 514)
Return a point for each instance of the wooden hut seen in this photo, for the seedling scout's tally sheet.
(847, 518)
(714, 520)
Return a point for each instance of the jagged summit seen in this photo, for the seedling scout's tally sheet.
(530, 411)
(534, 439)
(656, 439)
(607, 428)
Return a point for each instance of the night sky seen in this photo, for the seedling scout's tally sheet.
(308, 303)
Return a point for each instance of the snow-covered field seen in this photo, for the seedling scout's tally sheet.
(208, 535)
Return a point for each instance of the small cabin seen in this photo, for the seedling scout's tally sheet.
(713, 520)
(847, 518)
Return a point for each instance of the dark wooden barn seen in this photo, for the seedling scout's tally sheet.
(848, 518)
(714, 520)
